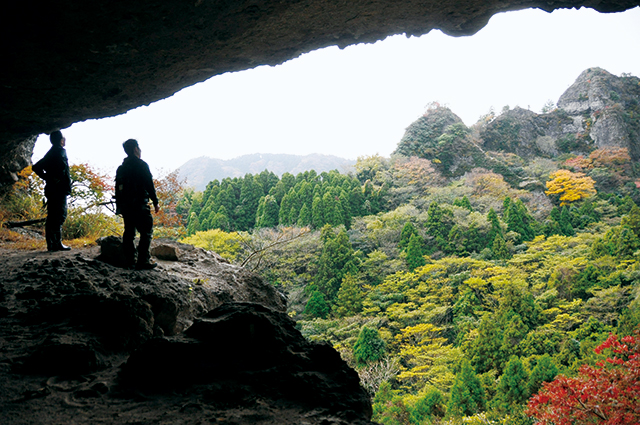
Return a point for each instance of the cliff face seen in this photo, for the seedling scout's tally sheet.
(599, 110)
(195, 341)
(69, 61)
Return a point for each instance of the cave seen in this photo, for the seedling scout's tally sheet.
(68, 61)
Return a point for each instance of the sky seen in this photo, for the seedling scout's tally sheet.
(358, 101)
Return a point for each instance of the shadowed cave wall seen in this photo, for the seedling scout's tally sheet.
(69, 61)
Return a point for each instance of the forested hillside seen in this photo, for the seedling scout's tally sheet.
(469, 268)
(460, 275)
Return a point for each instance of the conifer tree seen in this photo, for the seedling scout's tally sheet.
(518, 220)
(415, 256)
(467, 393)
(349, 298)
(284, 211)
(356, 201)
(194, 224)
(499, 248)
(439, 224)
(331, 211)
(269, 213)
(317, 213)
(544, 371)
(220, 220)
(316, 306)
(463, 203)
(336, 261)
(496, 229)
(565, 222)
(369, 347)
(632, 219)
(304, 218)
(513, 386)
(407, 231)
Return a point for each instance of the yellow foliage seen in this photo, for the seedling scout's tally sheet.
(570, 186)
(227, 245)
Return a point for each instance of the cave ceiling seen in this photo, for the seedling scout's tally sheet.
(67, 61)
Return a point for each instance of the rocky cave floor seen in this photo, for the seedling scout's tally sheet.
(195, 341)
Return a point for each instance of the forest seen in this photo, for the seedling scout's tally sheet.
(503, 288)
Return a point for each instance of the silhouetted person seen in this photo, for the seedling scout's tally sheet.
(54, 170)
(134, 189)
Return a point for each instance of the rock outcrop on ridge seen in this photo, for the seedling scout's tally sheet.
(195, 341)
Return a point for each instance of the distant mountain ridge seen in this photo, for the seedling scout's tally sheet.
(200, 171)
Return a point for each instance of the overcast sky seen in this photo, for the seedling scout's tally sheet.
(359, 100)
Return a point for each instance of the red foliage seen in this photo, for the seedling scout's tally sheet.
(606, 394)
(169, 191)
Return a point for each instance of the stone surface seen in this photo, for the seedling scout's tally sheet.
(69, 61)
(85, 342)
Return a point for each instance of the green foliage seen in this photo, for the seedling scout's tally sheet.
(415, 257)
(349, 298)
(316, 306)
(336, 261)
(512, 389)
(467, 393)
(369, 347)
(544, 371)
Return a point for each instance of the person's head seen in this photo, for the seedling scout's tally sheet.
(57, 138)
(131, 147)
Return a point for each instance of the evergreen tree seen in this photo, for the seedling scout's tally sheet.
(316, 306)
(439, 224)
(345, 207)
(544, 371)
(317, 213)
(304, 218)
(356, 201)
(268, 213)
(369, 347)
(407, 231)
(285, 211)
(519, 221)
(194, 224)
(565, 222)
(467, 393)
(496, 229)
(499, 248)
(220, 220)
(513, 386)
(632, 219)
(429, 405)
(415, 256)
(349, 298)
(331, 212)
(463, 203)
(336, 261)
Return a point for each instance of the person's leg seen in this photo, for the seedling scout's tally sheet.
(56, 215)
(50, 225)
(128, 248)
(145, 227)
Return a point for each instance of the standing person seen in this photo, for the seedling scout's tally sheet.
(134, 189)
(53, 168)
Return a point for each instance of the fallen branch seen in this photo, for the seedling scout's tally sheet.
(12, 224)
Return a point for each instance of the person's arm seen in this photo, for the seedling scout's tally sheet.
(150, 188)
(38, 168)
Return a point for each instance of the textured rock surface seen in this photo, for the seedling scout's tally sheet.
(85, 342)
(68, 61)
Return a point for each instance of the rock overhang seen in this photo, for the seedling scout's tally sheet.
(70, 61)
